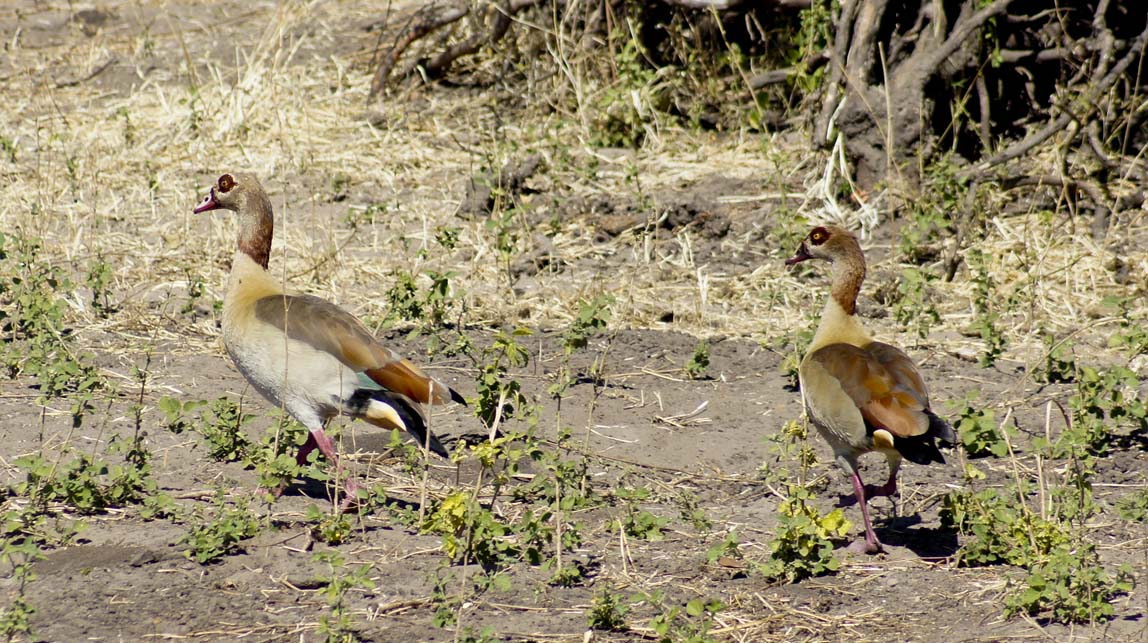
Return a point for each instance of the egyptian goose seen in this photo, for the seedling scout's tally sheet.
(862, 395)
(305, 354)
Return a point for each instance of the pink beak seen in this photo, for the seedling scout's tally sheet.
(208, 203)
(801, 255)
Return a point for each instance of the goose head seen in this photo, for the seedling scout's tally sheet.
(829, 243)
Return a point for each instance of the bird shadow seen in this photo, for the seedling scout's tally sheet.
(308, 488)
(313, 489)
(925, 542)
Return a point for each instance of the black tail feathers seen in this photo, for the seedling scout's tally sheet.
(922, 449)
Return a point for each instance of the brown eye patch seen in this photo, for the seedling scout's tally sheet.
(819, 236)
(226, 182)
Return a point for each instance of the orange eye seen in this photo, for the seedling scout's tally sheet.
(226, 182)
(819, 236)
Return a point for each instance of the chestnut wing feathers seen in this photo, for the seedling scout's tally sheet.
(328, 328)
(884, 384)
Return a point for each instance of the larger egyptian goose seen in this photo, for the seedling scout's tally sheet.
(862, 395)
(305, 354)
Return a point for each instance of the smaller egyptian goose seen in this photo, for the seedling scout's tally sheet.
(862, 395)
(307, 355)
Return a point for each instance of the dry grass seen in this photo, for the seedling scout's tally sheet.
(113, 172)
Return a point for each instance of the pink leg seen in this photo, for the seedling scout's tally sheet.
(327, 448)
(870, 545)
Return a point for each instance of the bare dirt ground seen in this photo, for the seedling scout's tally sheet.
(117, 116)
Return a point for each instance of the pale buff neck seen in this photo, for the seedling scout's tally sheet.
(839, 323)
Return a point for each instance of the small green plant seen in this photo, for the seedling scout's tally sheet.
(793, 346)
(912, 305)
(35, 339)
(1000, 529)
(693, 513)
(1132, 338)
(499, 396)
(623, 110)
(471, 533)
(1059, 363)
(447, 237)
(607, 612)
(175, 413)
(815, 34)
(99, 280)
(788, 445)
(986, 317)
(331, 527)
(696, 368)
(803, 544)
(214, 536)
(8, 148)
(91, 485)
(362, 216)
(503, 226)
(977, 428)
(428, 311)
(337, 626)
(593, 317)
(221, 422)
(20, 555)
(725, 548)
(1134, 506)
(691, 623)
(639, 523)
(195, 292)
(1070, 586)
(1104, 398)
(928, 217)
(274, 456)
(403, 301)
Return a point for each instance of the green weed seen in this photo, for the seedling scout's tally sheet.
(16, 617)
(1059, 362)
(636, 522)
(500, 397)
(727, 547)
(607, 612)
(1070, 586)
(1104, 398)
(91, 485)
(471, 533)
(1000, 530)
(803, 544)
(695, 369)
(691, 623)
(337, 626)
(928, 215)
(99, 280)
(977, 428)
(331, 527)
(429, 310)
(912, 304)
(218, 534)
(221, 423)
(985, 318)
(623, 110)
(790, 444)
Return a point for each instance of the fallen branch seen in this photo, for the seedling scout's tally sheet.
(423, 23)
